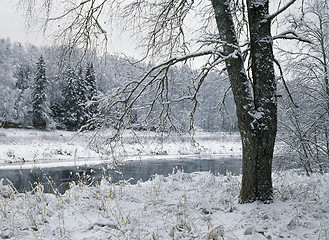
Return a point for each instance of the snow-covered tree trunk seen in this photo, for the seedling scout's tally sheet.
(256, 99)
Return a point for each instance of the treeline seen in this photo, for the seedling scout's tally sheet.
(41, 90)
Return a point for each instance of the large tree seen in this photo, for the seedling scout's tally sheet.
(233, 35)
(255, 100)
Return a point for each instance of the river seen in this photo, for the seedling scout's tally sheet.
(58, 179)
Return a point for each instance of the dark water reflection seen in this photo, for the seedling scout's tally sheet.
(58, 179)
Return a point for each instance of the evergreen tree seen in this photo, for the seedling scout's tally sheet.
(70, 105)
(90, 80)
(40, 109)
(82, 97)
(22, 75)
(77, 93)
(23, 101)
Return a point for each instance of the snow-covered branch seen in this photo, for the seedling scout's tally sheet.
(279, 11)
(291, 35)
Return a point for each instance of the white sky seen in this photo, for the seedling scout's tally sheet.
(12, 25)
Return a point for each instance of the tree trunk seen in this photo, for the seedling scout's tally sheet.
(255, 101)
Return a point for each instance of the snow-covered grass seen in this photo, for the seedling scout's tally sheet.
(180, 206)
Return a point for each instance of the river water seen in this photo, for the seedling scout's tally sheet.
(58, 179)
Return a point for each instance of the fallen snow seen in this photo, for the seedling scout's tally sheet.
(30, 148)
(180, 206)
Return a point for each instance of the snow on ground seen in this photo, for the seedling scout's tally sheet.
(29, 148)
(181, 206)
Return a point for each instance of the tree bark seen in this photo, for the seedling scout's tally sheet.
(255, 101)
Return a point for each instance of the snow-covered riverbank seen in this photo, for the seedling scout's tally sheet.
(181, 206)
(29, 148)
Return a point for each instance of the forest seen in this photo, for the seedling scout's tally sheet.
(41, 91)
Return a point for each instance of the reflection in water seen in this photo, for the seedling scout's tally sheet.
(58, 179)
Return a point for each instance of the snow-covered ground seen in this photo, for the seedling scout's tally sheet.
(180, 206)
(30, 148)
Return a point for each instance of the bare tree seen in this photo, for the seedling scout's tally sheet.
(229, 35)
(306, 129)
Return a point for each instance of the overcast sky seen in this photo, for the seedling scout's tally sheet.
(12, 25)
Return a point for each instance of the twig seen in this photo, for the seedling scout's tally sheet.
(284, 83)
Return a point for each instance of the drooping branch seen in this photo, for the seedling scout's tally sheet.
(161, 25)
(80, 25)
(155, 83)
(66, 13)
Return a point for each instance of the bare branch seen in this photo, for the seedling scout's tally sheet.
(291, 35)
(222, 103)
(275, 14)
(284, 83)
(68, 11)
